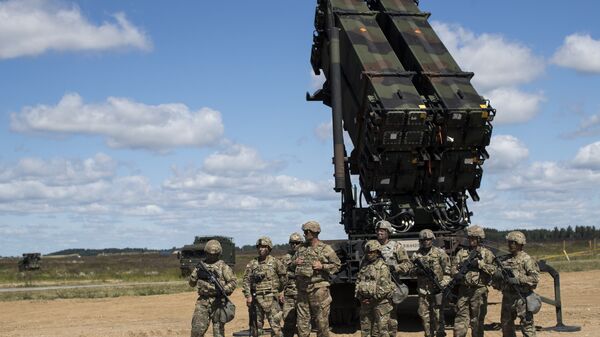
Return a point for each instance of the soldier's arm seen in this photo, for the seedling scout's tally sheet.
(246, 281)
(456, 262)
(486, 264)
(532, 273)
(332, 263)
(193, 280)
(404, 265)
(445, 264)
(282, 274)
(230, 280)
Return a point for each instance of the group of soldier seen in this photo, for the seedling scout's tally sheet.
(292, 292)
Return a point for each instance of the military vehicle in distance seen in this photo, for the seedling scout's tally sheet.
(30, 261)
(418, 128)
(190, 255)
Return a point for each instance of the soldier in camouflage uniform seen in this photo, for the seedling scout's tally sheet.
(471, 305)
(396, 258)
(436, 259)
(374, 288)
(207, 303)
(526, 277)
(288, 298)
(266, 275)
(314, 263)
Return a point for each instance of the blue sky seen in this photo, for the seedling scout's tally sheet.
(141, 124)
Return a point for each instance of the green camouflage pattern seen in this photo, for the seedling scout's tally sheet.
(374, 288)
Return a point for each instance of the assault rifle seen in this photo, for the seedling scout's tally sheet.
(506, 275)
(447, 292)
(428, 272)
(226, 312)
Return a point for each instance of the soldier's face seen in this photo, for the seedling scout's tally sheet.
(308, 235)
(263, 251)
(212, 257)
(371, 256)
(295, 245)
(473, 241)
(426, 243)
(382, 234)
(514, 247)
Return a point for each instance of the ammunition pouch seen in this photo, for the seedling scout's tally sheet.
(225, 313)
(533, 302)
(400, 293)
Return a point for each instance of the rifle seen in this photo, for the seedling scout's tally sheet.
(462, 271)
(252, 315)
(506, 274)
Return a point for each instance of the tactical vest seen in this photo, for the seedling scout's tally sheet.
(264, 275)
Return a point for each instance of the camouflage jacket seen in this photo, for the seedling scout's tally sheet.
(395, 257)
(436, 259)
(222, 272)
(306, 276)
(374, 281)
(524, 268)
(266, 277)
(289, 289)
(475, 276)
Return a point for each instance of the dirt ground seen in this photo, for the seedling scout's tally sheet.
(170, 315)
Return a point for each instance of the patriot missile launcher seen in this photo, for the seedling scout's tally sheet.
(418, 128)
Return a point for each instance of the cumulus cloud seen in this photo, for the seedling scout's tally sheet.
(513, 105)
(236, 159)
(496, 61)
(124, 122)
(589, 126)
(580, 52)
(506, 153)
(32, 27)
(588, 157)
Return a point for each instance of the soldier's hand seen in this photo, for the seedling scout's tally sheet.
(513, 281)
(317, 265)
(459, 276)
(299, 261)
(365, 301)
(249, 300)
(474, 263)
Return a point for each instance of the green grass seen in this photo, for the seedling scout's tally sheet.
(575, 265)
(142, 290)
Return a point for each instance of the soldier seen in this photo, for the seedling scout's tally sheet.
(265, 275)
(207, 303)
(314, 263)
(525, 277)
(288, 298)
(429, 300)
(374, 287)
(471, 305)
(396, 258)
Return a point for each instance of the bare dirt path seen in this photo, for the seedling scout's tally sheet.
(170, 315)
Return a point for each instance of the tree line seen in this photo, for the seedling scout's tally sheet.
(548, 235)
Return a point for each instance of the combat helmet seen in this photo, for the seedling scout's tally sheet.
(517, 237)
(213, 247)
(476, 231)
(372, 245)
(384, 224)
(426, 234)
(264, 241)
(296, 238)
(312, 226)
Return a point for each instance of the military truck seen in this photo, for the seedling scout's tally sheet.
(190, 255)
(30, 261)
(418, 129)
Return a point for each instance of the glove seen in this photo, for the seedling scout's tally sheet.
(513, 281)
(459, 276)
(474, 263)
(498, 275)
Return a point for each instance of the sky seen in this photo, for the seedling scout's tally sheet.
(143, 123)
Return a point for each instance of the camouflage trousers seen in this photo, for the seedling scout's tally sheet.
(471, 308)
(268, 308)
(513, 307)
(393, 322)
(429, 313)
(314, 303)
(203, 314)
(289, 316)
(374, 319)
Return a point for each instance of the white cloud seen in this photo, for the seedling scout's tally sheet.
(237, 159)
(513, 105)
(551, 177)
(495, 61)
(589, 126)
(32, 27)
(588, 156)
(506, 153)
(580, 52)
(125, 123)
